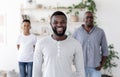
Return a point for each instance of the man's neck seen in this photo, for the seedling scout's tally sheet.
(87, 28)
(26, 33)
(59, 38)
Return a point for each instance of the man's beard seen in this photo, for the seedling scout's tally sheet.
(89, 24)
(59, 34)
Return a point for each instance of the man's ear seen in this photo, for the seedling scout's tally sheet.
(30, 27)
(83, 19)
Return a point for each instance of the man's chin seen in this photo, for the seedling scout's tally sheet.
(60, 34)
(89, 25)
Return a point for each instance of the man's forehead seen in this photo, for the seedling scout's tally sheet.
(59, 17)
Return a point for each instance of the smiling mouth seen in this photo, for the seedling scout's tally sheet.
(59, 29)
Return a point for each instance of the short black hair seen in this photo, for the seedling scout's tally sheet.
(88, 12)
(26, 20)
(58, 13)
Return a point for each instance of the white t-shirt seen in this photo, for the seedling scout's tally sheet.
(26, 50)
(57, 58)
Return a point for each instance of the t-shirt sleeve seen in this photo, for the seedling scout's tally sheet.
(79, 62)
(37, 61)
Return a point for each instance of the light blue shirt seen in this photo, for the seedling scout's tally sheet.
(94, 45)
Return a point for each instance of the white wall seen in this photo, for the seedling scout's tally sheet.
(108, 15)
(8, 55)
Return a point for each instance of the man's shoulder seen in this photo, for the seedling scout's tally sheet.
(73, 40)
(79, 28)
(34, 36)
(44, 39)
(99, 29)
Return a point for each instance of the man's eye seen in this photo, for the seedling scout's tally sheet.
(63, 22)
(54, 22)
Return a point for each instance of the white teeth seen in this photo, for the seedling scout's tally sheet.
(59, 29)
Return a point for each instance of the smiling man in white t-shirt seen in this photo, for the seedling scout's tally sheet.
(58, 52)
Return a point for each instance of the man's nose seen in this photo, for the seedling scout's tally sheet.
(59, 24)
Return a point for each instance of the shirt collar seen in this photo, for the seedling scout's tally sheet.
(90, 30)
